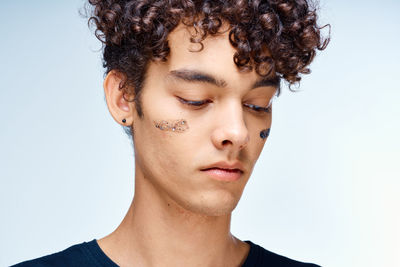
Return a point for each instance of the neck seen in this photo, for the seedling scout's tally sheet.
(156, 231)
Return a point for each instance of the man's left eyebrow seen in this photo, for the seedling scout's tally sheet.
(269, 81)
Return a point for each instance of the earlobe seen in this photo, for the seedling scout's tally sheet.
(120, 109)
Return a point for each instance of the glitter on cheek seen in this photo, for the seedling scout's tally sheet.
(177, 126)
(265, 133)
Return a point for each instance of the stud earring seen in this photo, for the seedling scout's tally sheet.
(123, 120)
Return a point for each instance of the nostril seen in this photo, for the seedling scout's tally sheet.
(225, 142)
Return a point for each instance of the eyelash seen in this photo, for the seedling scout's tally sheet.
(203, 102)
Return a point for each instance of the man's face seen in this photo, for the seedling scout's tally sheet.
(222, 129)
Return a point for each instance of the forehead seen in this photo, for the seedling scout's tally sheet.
(214, 56)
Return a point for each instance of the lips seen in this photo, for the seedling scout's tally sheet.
(226, 166)
(223, 174)
(224, 171)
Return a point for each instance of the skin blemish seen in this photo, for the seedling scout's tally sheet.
(265, 133)
(177, 126)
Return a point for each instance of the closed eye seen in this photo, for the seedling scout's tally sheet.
(200, 103)
(258, 108)
(193, 102)
(196, 103)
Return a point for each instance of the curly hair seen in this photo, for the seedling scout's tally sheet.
(134, 32)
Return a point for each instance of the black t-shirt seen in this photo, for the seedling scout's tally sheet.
(90, 254)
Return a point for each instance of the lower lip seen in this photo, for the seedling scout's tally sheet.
(224, 175)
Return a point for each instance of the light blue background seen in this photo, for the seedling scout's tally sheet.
(325, 189)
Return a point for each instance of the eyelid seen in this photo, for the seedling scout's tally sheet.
(196, 103)
(199, 103)
(258, 108)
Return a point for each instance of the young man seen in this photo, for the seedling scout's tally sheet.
(193, 83)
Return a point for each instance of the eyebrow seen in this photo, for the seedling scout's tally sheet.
(269, 81)
(196, 76)
(202, 77)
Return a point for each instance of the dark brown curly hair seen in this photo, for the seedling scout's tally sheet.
(135, 31)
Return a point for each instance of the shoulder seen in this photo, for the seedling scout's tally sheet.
(258, 256)
(76, 255)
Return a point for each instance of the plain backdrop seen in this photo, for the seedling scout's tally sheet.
(325, 188)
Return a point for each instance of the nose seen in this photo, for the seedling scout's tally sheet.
(231, 131)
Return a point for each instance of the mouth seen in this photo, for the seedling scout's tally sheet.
(222, 174)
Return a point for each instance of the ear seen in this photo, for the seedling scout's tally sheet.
(117, 105)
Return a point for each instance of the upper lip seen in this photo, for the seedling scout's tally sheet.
(225, 165)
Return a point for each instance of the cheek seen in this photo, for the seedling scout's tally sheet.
(157, 154)
(259, 129)
(255, 124)
(170, 144)
(164, 141)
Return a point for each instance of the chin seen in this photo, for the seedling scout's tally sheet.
(212, 203)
